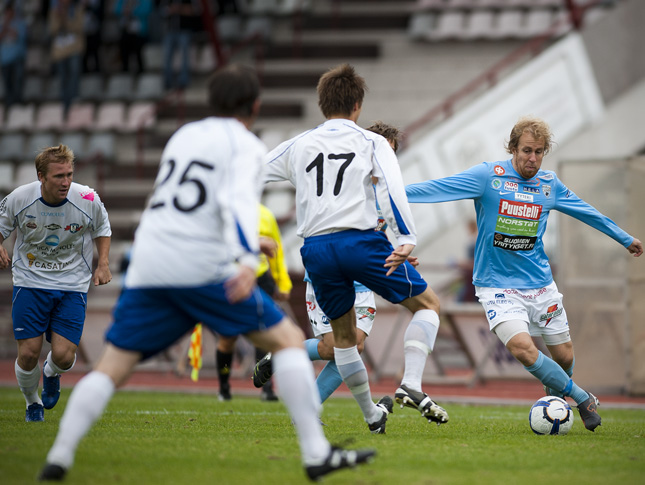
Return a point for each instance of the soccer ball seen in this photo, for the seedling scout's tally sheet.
(551, 415)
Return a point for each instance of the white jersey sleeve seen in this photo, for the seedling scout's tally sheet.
(201, 220)
(53, 248)
(331, 167)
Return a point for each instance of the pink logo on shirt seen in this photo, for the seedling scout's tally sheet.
(88, 195)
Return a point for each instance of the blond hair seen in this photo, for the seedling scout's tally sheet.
(536, 127)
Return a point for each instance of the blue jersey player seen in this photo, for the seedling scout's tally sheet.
(512, 276)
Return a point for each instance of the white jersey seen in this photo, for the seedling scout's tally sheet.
(331, 167)
(53, 249)
(202, 218)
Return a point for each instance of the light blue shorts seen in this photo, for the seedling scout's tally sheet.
(35, 311)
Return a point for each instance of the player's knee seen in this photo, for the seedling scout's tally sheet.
(28, 359)
(64, 358)
(427, 300)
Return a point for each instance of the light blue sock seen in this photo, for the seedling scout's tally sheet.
(328, 380)
(552, 375)
(312, 348)
(569, 371)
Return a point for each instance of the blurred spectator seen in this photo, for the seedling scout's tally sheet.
(181, 18)
(13, 53)
(66, 18)
(93, 28)
(467, 290)
(133, 20)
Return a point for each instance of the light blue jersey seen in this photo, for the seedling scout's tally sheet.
(512, 213)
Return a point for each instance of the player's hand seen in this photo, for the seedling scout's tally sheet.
(414, 261)
(239, 286)
(5, 260)
(268, 246)
(636, 248)
(102, 275)
(398, 257)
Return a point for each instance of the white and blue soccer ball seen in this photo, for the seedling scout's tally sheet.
(551, 415)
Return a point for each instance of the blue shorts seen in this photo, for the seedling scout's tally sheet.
(335, 261)
(149, 320)
(35, 311)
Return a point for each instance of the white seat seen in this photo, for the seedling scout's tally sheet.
(538, 22)
(153, 57)
(119, 87)
(34, 89)
(6, 176)
(421, 26)
(91, 87)
(140, 115)
(450, 25)
(509, 24)
(12, 146)
(110, 116)
(38, 142)
(480, 25)
(75, 141)
(20, 117)
(81, 116)
(149, 86)
(50, 117)
(101, 144)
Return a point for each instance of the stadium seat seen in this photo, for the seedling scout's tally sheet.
(149, 86)
(205, 62)
(81, 116)
(153, 57)
(119, 87)
(91, 88)
(258, 26)
(479, 25)
(101, 144)
(25, 173)
(509, 24)
(12, 146)
(110, 116)
(52, 91)
(140, 115)
(421, 25)
(76, 141)
(537, 22)
(450, 25)
(50, 117)
(33, 89)
(39, 141)
(229, 28)
(6, 177)
(20, 117)
(37, 62)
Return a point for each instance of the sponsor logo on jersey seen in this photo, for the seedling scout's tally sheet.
(546, 189)
(52, 227)
(31, 225)
(500, 295)
(52, 240)
(491, 314)
(496, 183)
(531, 190)
(499, 170)
(88, 195)
(52, 266)
(73, 228)
(527, 296)
(29, 216)
(520, 227)
(512, 186)
(514, 243)
(365, 312)
(31, 258)
(547, 176)
(519, 209)
(524, 197)
(311, 306)
(551, 312)
(52, 214)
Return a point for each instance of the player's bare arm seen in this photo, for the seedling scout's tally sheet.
(4, 255)
(635, 248)
(102, 274)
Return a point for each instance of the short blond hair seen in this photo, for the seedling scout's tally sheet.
(536, 127)
(56, 154)
(389, 132)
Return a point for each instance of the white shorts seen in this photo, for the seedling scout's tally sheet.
(540, 308)
(364, 305)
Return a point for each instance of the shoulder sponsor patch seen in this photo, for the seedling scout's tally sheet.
(499, 170)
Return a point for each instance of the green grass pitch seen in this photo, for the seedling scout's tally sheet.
(172, 438)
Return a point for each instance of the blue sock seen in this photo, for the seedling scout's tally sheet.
(569, 371)
(328, 380)
(553, 376)
(312, 348)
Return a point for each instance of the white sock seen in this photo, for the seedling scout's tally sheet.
(354, 374)
(85, 406)
(51, 369)
(418, 342)
(28, 383)
(296, 385)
